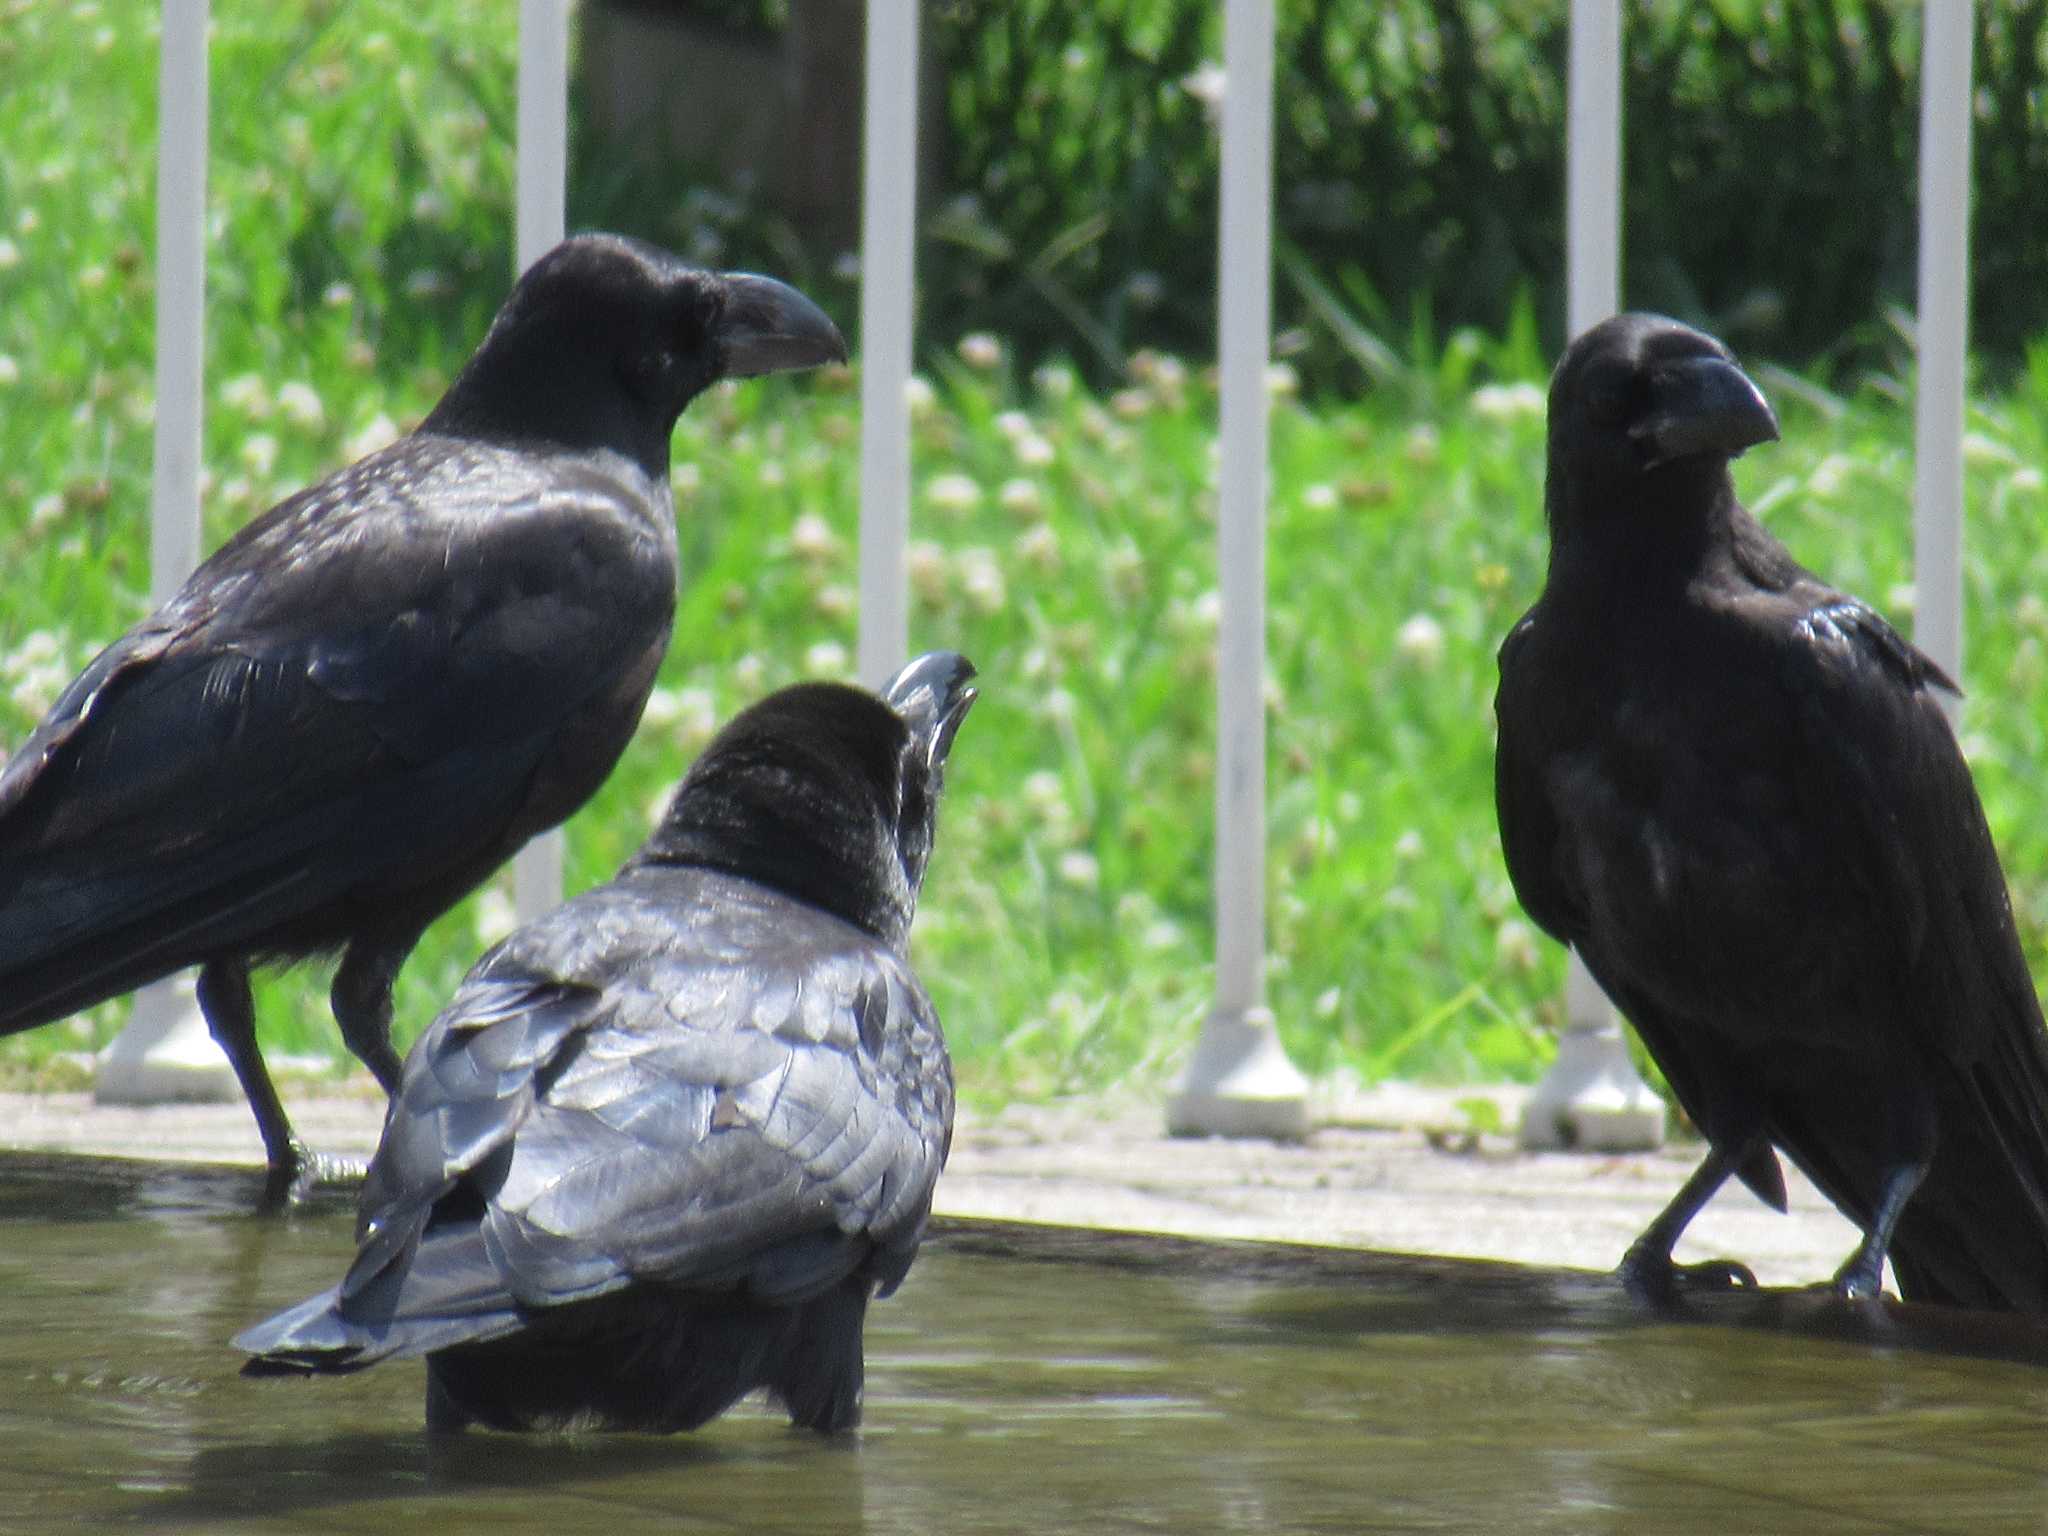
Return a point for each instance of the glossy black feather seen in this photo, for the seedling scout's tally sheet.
(1734, 790)
(663, 1144)
(372, 695)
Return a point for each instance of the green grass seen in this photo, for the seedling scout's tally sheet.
(360, 181)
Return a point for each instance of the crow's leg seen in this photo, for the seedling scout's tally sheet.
(361, 999)
(1863, 1275)
(230, 1011)
(445, 1416)
(1647, 1269)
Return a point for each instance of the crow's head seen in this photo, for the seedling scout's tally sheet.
(828, 793)
(1641, 396)
(605, 340)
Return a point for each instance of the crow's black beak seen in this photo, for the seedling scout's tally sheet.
(768, 327)
(932, 694)
(1702, 405)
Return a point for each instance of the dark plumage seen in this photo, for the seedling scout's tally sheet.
(665, 1143)
(1734, 790)
(371, 696)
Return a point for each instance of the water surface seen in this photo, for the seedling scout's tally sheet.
(1039, 1380)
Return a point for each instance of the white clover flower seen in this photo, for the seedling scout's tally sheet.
(496, 916)
(2026, 480)
(1505, 403)
(835, 602)
(1130, 403)
(1282, 380)
(1830, 475)
(247, 393)
(846, 266)
(1407, 847)
(981, 580)
(1080, 869)
(812, 538)
(771, 475)
(696, 717)
(301, 405)
(1021, 498)
(662, 708)
(1208, 609)
(1207, 85)
(919, 396)
(45, 511)
(1161, 935)
(1982, 448)
(1034, 452)
(10, 371)
(953, 492)
(980, 350)
(1420, 642)
(93, 278)
(38, 648)
(1013, 424)
(259, 453)
(1423, 445)
(685, 478)
(1145, 289)
(1902, 599)
(826, 659)
(1327, 1003)
(1039, 546)
(1515, 947)
(28, 221)
(1320, 497)
(429, 206)
(750, 672)
(380, 431)
(10, 254)
(1053, 380)
(1124, 568)
(930, 576)
(428, 283)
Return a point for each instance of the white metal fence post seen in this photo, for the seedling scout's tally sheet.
(1942, 332)
(166, 1052)
(542, 175)
(1239, 1081)
(1592, 1095)
(888, 222)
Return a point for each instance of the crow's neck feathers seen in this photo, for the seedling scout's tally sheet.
(816, 793)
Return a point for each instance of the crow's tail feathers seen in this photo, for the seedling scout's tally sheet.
(1975, 1234)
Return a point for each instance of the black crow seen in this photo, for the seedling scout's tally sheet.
(666, 1142)
(371, 696)
(1734, 790)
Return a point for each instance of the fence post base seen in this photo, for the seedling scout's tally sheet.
(1592, 1099)
(1240, 1082)
(166, 1055)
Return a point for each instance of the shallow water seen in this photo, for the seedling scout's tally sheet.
(1023, 1380)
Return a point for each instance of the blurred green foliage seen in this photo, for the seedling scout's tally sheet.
(1770, 191)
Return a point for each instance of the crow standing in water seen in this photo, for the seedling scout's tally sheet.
(666, 1142)
(371, 696)
(1734, 791)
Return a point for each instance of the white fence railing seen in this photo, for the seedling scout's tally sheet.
(1239, 1023)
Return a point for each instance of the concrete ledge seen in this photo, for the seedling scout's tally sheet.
(1422, 1186)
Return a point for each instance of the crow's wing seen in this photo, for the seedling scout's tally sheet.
(1907, 839)
(358, 688)
(1528, 822)
(681, 1078)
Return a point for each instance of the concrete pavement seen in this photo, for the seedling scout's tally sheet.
(1394, 1168)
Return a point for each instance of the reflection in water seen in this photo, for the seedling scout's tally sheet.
(1026, 1380)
